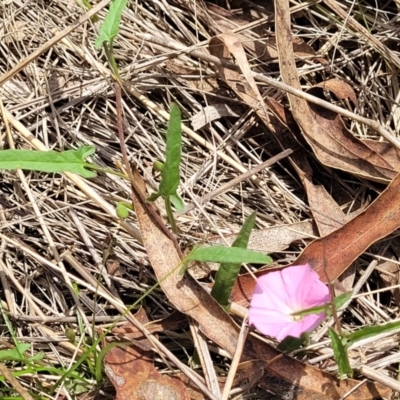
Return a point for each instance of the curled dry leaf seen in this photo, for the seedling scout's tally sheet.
(344, 245)
(282, 374)
(132, 372)
(324, 130)
(225, 46)
(212, 113)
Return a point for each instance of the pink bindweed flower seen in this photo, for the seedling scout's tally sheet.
(279, 294)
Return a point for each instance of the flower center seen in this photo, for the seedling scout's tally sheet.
(297, 317)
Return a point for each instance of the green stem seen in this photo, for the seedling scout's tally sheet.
(170, 214)
(106, 170)
(111, 59)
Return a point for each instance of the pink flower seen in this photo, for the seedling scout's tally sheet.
(279, 294)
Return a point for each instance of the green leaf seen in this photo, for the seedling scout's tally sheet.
(170, 173)
(340, 354)
(342, 298)
(371, 331)
(110, 27)
(15, 354)
(222, 254)
(49, 161)
(339, 301)
(122, 209)
(177, 201)
(312, 310)
(228, 272)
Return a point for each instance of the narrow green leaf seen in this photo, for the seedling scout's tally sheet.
(170, 172)
(177, 201)
(312, 310)
(370, 331)
(222, 254)
(339, 301)
(290, 344)
(110, 27)
(228, 272)
(49, 161)
(340, 354)
(342, 298)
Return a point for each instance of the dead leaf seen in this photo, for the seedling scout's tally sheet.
(211, 113)
(344, 245)
(183, 291)
(15, 90)
(263, 49)
(224, 46)
(284, 374)
(275, 238)
(136, 378)
(133, 374)
(14, 32)
(324, 130)
(342, 90)
(249, 373)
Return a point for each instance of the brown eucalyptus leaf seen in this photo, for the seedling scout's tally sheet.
(344, 245)
(133, 374)
(324, 130)
(341, 89)
(274, 238)
(225, 46)
(183, 292)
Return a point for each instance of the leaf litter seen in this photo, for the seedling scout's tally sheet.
(342, 168)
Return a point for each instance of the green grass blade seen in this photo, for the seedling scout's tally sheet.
(222, 254)
(170, 176)
(48, 161)
(371, 331)
(340, 354)
(110, 27)
(228, 272)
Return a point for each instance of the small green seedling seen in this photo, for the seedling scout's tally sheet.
(109, 30)
(170, 175)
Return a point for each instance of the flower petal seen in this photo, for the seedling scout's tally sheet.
(270, 292)
(298, 280)
(318, 294)
(279, 293)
